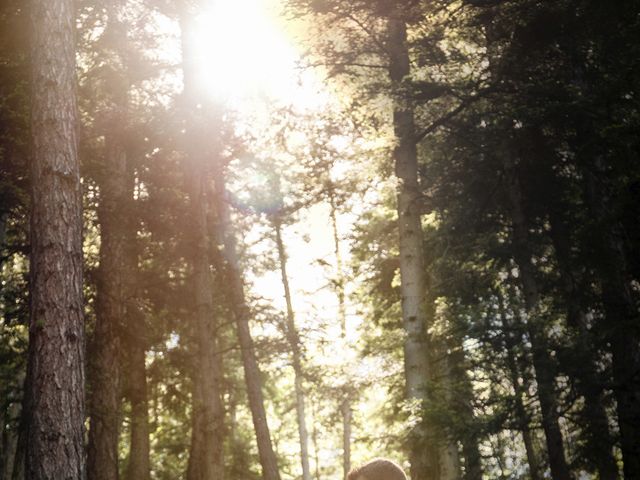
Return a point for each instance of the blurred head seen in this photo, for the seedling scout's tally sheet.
(377, 469)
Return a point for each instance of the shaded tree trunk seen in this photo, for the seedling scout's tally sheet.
(9, 439)
(622, 326)
(427, 461)
(139, 466)
(511, 342)
(544, 369)
(597, 428)
(241, 313)
(54, 405)
(294, 342)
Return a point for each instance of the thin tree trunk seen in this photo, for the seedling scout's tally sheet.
(541, 358)
(520, 391)
(241, 313)
(10, 436)
(55, 379)
(622, 327)
(294, 342)
(207, 416)
(458, 367)
(345, 405)
(426, 459)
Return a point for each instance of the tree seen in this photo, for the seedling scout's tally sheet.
(55, 375)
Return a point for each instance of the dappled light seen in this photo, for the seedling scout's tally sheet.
(319, 240)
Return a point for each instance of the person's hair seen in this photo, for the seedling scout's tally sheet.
(377, 469)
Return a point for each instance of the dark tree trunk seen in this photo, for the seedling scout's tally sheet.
(139, 467)
(597, 430)
(55, 378)
(544, 368)
(115, 196)
(511, 342)
(622, 326)
(241, 313)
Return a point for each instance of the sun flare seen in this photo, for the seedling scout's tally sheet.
(242, 50)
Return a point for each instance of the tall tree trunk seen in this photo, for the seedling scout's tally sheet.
(426, 459)
(9, 438)
(241, 313)
(294, 342)
(544, 369)
(205, 457)
(598, 434)
(345, 405)
(139, 466)
(511, 342)
(116, 194)
(54, 404)
(207, 416)
(458, 367)
(622, 326)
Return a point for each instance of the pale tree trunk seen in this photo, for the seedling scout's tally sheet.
(241, 313)
(294, 342)
(544, 369)
(426, 459)
(55, 379)
(345, 405)
(207, 416)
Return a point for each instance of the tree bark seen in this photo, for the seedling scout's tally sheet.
(544, 370)
(115, 196)
(622, 326)
(207, 417)
(55, 378)
(139, 467)
(294, 342)
(241, 313)
(426, 459)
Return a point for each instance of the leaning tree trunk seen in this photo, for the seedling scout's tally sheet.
(240, 310)
(294, 342)
(544, 369)
(427, 461)
(54, 405)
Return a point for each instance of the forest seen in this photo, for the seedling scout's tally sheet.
(276, 239)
